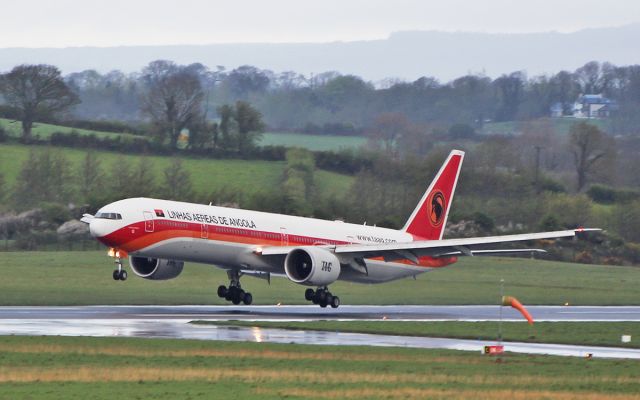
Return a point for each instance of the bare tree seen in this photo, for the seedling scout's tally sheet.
(91, 178)
(590, 147)
(177, 182)
(173, 98)
(36, 92)
(388, 128)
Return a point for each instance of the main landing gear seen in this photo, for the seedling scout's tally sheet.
(323, 297)
(234, 292)
(119, 274)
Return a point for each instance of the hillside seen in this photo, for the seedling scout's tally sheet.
(44, 131)
(407, 55)
(311, 142)
(207, 175)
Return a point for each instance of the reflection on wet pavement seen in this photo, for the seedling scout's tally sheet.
(181, 329)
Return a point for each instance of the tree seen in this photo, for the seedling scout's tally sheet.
(177, 182)
(173, 97)
(590, 147)
(245, 80)
(250, 126)
(509, 92)
(36, 92)
(388, 128)
(240, 127)
(91, 179)
(44, 177)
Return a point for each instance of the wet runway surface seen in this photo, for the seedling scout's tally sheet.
(315, 313)
(173, 322)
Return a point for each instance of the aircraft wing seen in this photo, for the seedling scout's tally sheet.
(450, 247)
(437, 248)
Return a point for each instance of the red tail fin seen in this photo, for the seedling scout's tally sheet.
(430, 216)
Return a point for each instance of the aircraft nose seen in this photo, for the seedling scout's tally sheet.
(98, 228)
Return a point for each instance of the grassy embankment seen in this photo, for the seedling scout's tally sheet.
(311, 142)
(561, 126)
(207, 175)
(75, 278)
(107, 368)
(582, 333)
(44, 131)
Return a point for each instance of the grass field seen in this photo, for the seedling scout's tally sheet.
(44, 131)
(312, 142)
(581, 333)
(207, 175)
(118, 368)
(560, 125)
(74, 278)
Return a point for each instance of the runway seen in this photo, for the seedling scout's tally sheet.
(173, 322)
(315, 313)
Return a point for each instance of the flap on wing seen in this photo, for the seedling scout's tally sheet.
(438, 248)
(429, 244)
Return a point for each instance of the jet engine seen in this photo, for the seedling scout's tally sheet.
(154, 268)
(312, 266)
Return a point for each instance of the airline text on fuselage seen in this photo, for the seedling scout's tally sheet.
(211, 219)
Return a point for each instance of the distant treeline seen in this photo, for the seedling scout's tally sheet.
(332, 103)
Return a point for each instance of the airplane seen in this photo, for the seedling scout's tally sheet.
(159, 236)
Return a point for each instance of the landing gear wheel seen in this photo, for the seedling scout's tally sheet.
(308, 294)
(234, 292)
(116, 275)
(238, 296)
(323, 297)
(123, 275)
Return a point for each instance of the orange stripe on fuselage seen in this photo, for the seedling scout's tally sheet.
(134, 238)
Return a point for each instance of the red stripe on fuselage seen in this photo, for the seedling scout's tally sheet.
(133, 238)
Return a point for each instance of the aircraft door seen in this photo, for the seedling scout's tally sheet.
(148, 221)
(204, 232)
(284, 237)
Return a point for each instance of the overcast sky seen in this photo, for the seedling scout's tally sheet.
(63, 23)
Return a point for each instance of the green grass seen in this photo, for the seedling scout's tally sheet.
(44, 131)
(75, 278)
(312, 142)
(560, 125)
(108, 368)
(581, 333)
(246, 176)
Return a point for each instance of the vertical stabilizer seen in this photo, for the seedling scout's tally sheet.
(430, 216)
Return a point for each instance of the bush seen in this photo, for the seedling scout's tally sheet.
(484, 221)
(104, 126)
(3, 135)
(607, 195)
(56, 213)
(461, 131)
(550, 223)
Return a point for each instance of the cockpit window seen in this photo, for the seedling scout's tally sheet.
(108, 215)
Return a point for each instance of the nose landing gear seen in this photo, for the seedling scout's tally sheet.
(322, 297)
(234, 292)
(119, 274)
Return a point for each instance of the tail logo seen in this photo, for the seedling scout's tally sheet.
(436, 208)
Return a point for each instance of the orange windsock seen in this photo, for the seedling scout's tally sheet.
(513, 302)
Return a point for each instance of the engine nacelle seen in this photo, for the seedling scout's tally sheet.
(154, 268)
(312, 266)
